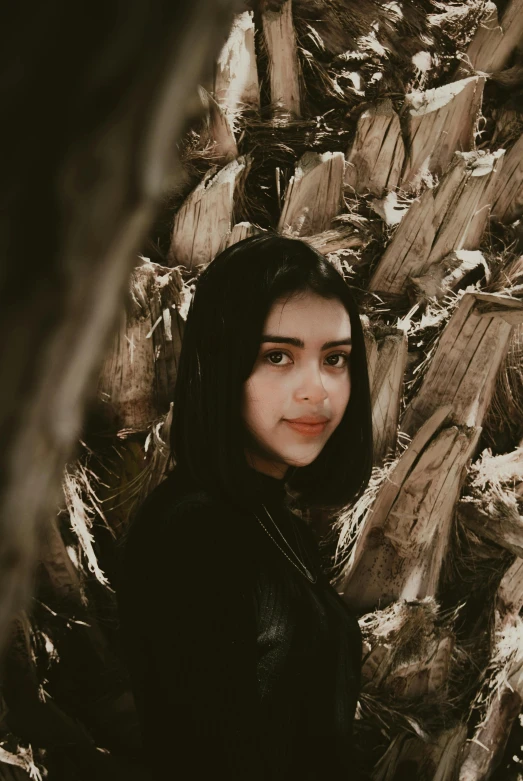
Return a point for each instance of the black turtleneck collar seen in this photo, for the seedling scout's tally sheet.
(269, 488)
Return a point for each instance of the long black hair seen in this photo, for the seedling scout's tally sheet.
(221, 342)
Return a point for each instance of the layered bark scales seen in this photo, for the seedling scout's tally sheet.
(463, 370)
(446, 219)
(280, 41)
(135, 386)
(438, 192)
(314, 195)
(206, 216)
(236, 75)
(399, 551)
(496, 39)
(387, 359)
(375, 160)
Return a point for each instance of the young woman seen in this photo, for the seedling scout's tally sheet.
(245, 662)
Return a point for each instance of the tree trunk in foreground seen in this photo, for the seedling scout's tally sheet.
(360, 132)
(112, 88)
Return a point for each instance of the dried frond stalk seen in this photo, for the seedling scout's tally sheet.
(81, 513)
(240, 231)
(508, 195)
(400, 549)
(447, 218)
(439, 123)
(432, 759)
(314, 195)
(386, 391)
(284, 68)
(495, 41)
(375, 160)
(138, 374)
(236, 75)
(205, 217)
(463, 371)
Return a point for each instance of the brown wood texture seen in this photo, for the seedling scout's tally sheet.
(387, 391)
(314, 195)
(496, 39)
(206, 216)
(492, 510)
(217, 131)
(483, 753)
(139, 370)
(450, 217)
(236, 75)
(394, 664)
(439, 122)
(434, 758)
(399, 551)
(506, 531)
(334, 239)
(240, 231)
(375, 159)
(446, 274)
(284, 70)
(463, 370)
(507, 203)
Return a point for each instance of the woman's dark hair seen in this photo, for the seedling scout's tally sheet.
(221, 343)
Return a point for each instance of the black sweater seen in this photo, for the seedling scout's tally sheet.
(241, 668)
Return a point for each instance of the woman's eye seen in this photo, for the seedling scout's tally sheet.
(339, 364)
(278, 354)
(336, 360)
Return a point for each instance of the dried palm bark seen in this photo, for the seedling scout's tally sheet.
(335, 239)
(493, 506)
(217, 134)
(284, 70)
(18, 764)
(407, 650)
(206, 216)
(447, 275)
(240, 231)
(387, 351)
(375, 159)
(463, 370)
(495, 41)
(236, 75)
(508, 195)
(439, 123)
(432, 759)
(320, 76)
(450, 217)
(139, 370)
(399, 551)
(314, 195)
(501, 698)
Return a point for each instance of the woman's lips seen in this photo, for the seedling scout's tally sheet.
(309, 429)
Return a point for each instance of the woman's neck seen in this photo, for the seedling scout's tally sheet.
(266, 467)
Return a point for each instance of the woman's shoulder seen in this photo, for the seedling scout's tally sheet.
(169, 516)
(182, 541)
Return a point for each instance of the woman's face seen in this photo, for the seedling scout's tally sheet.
(302, 370)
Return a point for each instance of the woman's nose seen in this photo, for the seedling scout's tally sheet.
(311, 386)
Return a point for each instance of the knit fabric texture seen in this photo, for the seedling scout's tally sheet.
(240, 666)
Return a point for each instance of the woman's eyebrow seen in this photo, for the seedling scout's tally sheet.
(299, 342)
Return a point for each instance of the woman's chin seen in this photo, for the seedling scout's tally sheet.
(301, 460)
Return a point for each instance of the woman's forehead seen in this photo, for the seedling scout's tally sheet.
(307, 313)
